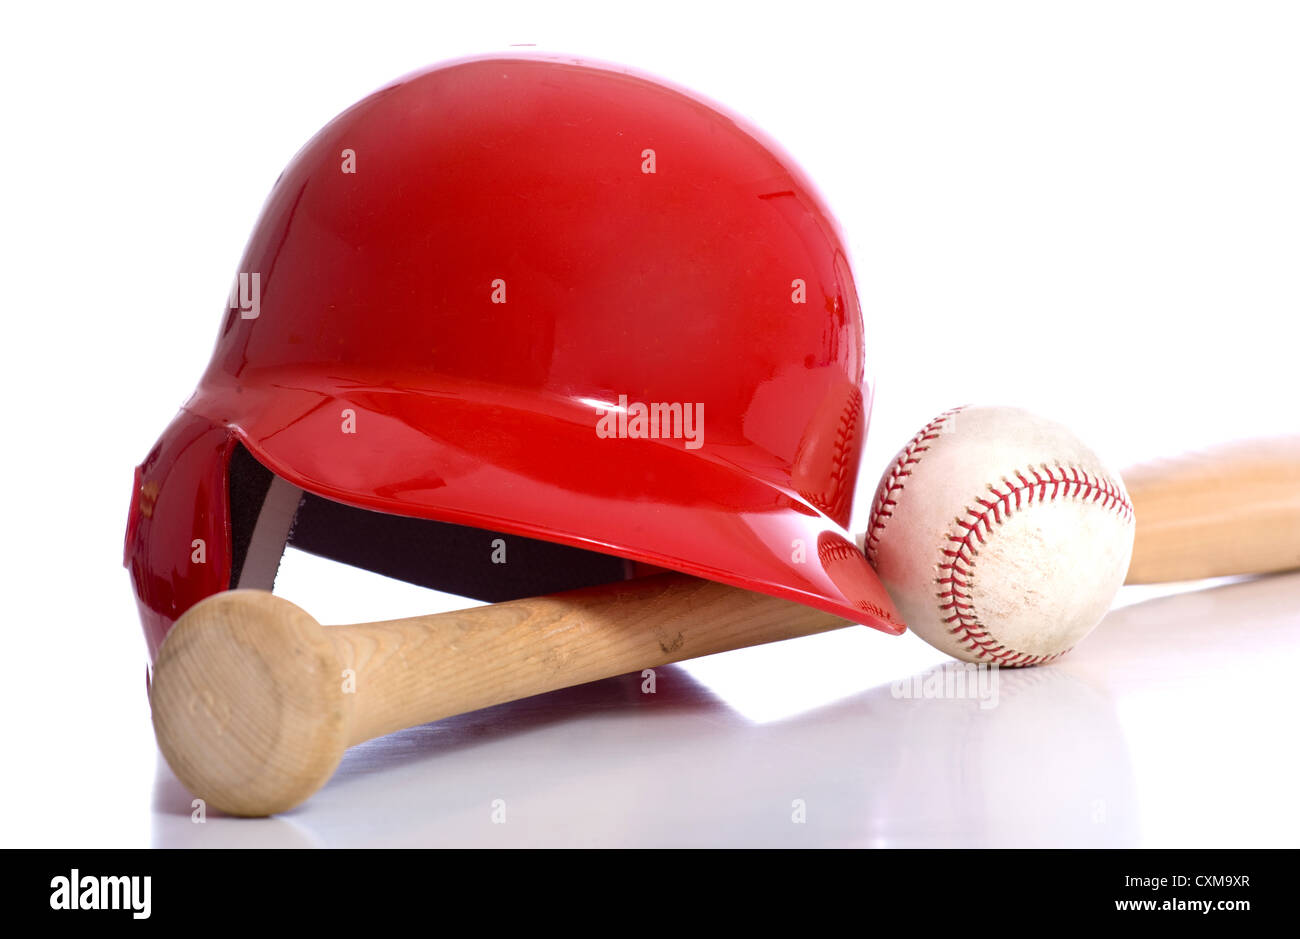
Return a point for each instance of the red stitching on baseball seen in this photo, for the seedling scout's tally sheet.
(957, 567)
(835, 501)
(892, 484)
(837, 551)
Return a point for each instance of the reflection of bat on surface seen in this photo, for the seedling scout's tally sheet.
(254, 702)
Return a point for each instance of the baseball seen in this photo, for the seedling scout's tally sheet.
(1000, 536)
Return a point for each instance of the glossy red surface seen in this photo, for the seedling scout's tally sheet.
(180, 496)
(377, 293)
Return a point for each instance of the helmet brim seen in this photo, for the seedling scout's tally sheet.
(515, 462)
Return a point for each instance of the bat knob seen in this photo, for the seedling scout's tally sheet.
(249, 704)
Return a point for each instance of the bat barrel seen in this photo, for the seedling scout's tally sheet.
(1232, 509)
(254, 702)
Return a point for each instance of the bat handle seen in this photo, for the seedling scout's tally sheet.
(1233, 509)
(254, 702)
(417, 670)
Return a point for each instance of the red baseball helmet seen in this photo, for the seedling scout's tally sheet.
(529, 310)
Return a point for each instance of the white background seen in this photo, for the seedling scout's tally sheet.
(1088, 209)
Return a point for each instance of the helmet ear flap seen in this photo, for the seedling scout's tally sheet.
(178, 531)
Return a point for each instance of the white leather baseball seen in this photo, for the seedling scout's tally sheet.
(1000, 536)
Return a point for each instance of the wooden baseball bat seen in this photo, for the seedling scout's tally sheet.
(1232, 509)
(254, 702)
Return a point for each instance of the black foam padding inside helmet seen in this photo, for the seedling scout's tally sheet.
(470, 562)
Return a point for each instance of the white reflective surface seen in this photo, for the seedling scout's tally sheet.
(1172, 725)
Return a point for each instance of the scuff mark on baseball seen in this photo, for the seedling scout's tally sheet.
(1001, 537)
